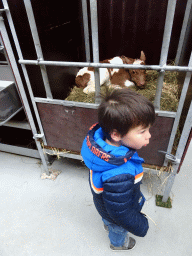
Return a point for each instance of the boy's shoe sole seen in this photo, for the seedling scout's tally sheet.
(131, 245)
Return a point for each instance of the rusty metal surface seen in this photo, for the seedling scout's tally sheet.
(160, 134)
(66, 127)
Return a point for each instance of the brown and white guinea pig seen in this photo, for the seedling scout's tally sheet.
(121, 77)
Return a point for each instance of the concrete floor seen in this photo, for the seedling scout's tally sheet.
(57, 218)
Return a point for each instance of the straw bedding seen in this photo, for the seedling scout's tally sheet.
(169, 98)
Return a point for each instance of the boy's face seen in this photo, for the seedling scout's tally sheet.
(136, 138)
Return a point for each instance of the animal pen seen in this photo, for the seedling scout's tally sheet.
(59, 125)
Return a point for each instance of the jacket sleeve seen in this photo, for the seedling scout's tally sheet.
(123, 201)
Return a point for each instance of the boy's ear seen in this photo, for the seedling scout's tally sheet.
(115, 136)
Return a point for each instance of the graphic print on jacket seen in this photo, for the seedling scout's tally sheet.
(115, 178)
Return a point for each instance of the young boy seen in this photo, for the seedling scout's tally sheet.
(109, 151)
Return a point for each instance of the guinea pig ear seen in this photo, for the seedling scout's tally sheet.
(142, 57)
(126, 60)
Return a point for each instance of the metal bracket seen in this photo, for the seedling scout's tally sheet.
(163, 69)
(170, 157)
(38, 136)
(38, 61)
(3, 10)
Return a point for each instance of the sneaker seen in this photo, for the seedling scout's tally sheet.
(131, 245)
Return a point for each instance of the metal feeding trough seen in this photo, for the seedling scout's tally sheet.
(10, 103)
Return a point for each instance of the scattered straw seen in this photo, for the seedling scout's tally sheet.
(52, 176)
(170, 92)
(55, 151)
(156, 182)
(151, 220)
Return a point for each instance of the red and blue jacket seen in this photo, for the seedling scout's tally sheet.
(115, 178)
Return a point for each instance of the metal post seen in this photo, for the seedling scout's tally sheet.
(180, 107)
(9, 18)
(179, 153)
(185, 133)
(86, 30)
(5, 42)
(170, 182)
(95, 42)
(184, 33)
(164, 51)
(36, 40)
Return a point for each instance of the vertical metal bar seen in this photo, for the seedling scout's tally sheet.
(37, 44)
(5, 41)
(184, 32)
(185, 133)
(95, 42)
(179, 153)
(8, 14)
(86, 30)
(170, 182)
(180, 107)
(164, 51)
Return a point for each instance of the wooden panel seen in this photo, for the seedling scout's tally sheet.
(66, 127)
(160, 134)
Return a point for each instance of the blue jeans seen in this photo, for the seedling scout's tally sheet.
(118, 236)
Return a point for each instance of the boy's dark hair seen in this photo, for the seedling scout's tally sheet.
(123, 109)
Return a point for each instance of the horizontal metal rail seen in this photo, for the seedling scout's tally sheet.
(92, 105)
(18, 124)
(18, 150)
(106, 65)
(5, 121)
(3, 10)
(63, 154)
(66, 103)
